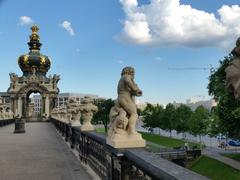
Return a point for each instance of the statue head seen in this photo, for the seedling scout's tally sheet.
(128, 71)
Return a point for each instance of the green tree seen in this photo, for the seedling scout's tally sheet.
(199, 121)
(168, 119)
(102, 115)
(183, 116)
(152, 116)
(214, 128)
(227, 110)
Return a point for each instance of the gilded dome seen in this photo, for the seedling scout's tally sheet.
(34, 59)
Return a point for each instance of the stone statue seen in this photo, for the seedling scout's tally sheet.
(54, 113)
(123, 115)
(55, 80)
(13, 79)
(62, 113)
(73, 111)
(1, 113)
(233, 72)
(87, 109)
(5, 113)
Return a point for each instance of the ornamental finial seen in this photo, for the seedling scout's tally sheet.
(34, 43)
(34, 29)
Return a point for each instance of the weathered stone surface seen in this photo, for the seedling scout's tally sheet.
(87, 109)
(39, 154)
(123, 115)
(5, 112)
(73, 112)
(60, 113)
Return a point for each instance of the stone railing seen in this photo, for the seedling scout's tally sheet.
(5, 122)
(119, 164)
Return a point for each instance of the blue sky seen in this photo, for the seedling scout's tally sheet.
(104, 36)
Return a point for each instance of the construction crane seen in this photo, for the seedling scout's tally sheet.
(211, 68)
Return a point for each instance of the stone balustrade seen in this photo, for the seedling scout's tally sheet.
(119, 164)
(72, 112)
(4, 122)
(5, 113)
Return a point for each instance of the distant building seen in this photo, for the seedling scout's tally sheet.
(62, 99)
(141, 106)
(4, 98)
(36, 101)
(208, 104)
(194, 102)
(195, 99)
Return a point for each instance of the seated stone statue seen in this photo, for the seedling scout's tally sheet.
(118, 121)
(233, 72)
(123, 115)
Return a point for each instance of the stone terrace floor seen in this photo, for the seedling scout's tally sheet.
(39, 154)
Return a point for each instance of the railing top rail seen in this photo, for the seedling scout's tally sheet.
(158, 167)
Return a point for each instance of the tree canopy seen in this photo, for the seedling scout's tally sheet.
(152, 116)
(227, 111)
(183, 118)
(102, 115)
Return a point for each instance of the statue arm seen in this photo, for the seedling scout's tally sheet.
(132, 86)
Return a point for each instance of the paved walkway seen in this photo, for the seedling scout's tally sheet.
(215, 153)
(39, 154)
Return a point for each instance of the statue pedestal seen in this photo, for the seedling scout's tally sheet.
(75, 123)
(19, 126)
(126, 141)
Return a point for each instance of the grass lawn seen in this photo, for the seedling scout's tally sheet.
(233, 156)
(100, 130)
(161, 140)
(165, 141)
(215, 169)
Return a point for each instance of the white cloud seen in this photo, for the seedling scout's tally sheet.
(67, 26)
(120, 62)
(25, 20)
(167, 22)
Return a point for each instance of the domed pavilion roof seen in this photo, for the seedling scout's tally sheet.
(34, 61)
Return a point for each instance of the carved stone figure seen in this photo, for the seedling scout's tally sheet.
(73, 112)
(13, 79)
(123, 115)
(5, 112)
(1, 113)
(87, 109)
(233, 72)
(62, 113)
(55, 80)
(54, 113)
